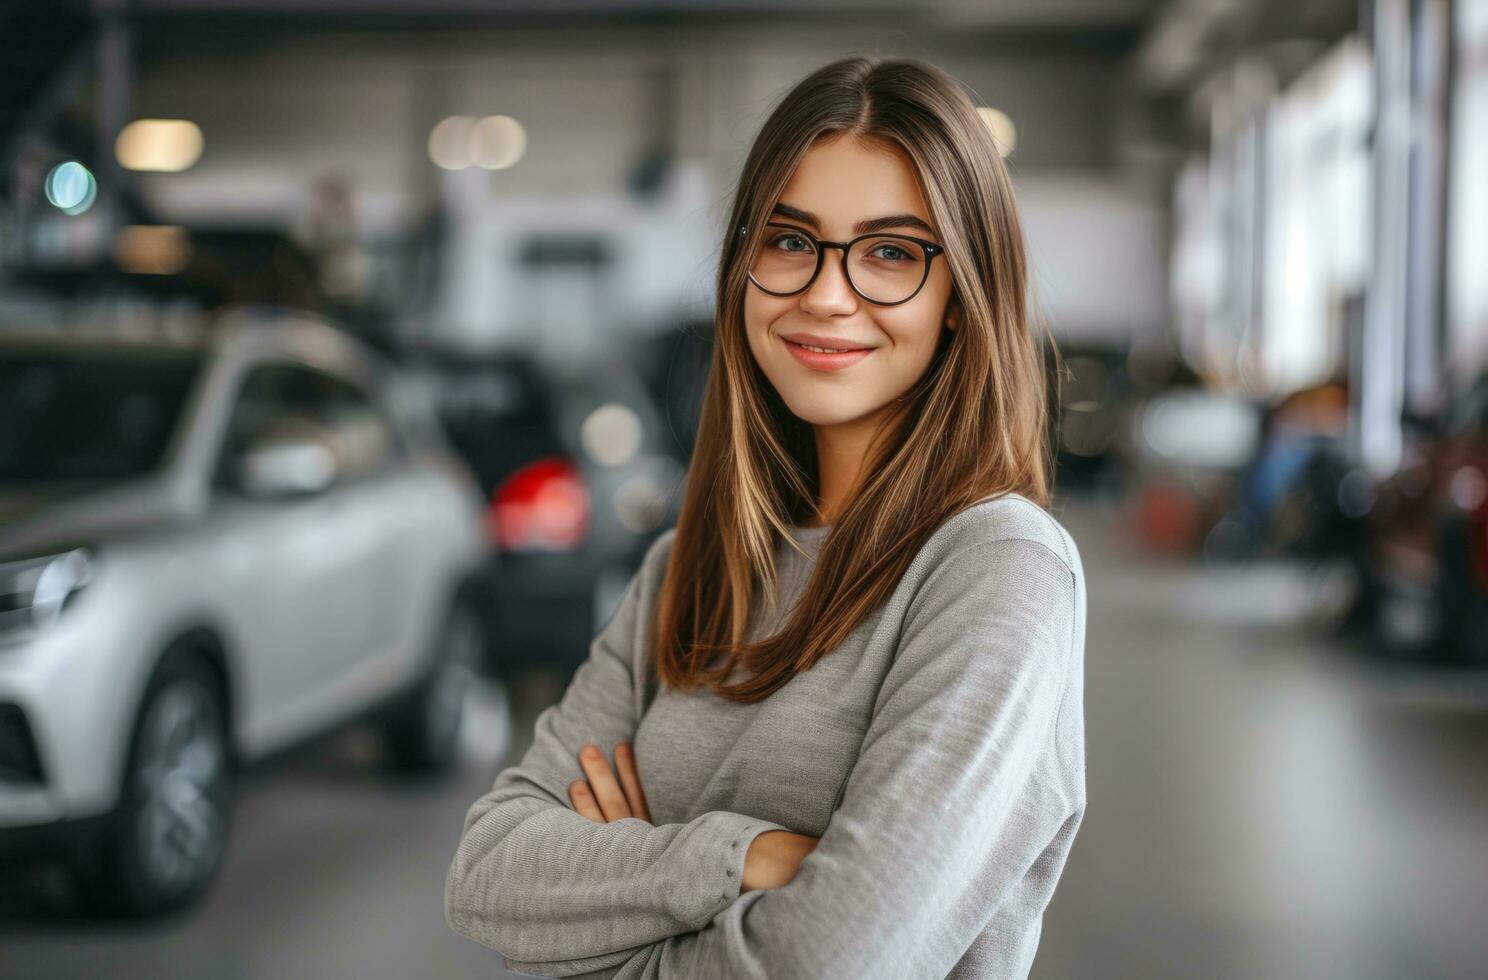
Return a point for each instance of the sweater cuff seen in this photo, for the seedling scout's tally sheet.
(713, 848)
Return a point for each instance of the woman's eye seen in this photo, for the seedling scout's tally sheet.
(784, 243)
(892, 253)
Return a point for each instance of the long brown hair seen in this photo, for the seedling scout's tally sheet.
(975, 425)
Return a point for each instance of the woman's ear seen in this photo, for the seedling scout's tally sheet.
(953, 314)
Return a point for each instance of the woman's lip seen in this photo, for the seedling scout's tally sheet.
(825, 362)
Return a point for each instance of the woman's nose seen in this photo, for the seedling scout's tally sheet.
(830, 294)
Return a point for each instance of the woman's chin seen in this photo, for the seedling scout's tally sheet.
(822, 412)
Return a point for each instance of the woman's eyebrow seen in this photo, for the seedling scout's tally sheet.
(862, 227)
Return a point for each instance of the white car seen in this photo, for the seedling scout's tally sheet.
(210, 550)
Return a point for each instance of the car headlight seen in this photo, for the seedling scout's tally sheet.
(39, 589)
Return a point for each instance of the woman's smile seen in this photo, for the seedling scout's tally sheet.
(820, 359)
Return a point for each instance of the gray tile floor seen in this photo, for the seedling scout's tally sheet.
(1263, 803)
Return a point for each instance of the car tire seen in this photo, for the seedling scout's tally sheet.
(162, 846)
(422, 731)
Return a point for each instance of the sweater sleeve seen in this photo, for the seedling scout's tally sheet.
(943, 814)
(560, 894)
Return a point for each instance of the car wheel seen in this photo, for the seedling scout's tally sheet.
(162, 846)
(422, 733)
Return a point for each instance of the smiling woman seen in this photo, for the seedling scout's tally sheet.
(844, 695)
(886, 302)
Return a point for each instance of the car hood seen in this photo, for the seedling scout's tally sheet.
(47, 519)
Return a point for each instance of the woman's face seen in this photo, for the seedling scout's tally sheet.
(840, 184)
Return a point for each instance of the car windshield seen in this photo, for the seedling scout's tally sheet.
(89, 416)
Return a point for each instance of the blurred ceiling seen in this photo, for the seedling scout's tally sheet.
(1111, 26)
(979, 13)
(1190, 39)
(49, 48)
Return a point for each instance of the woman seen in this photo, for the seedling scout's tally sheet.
(843, 696)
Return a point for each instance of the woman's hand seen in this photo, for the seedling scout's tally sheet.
(601, 797)
(773, 859)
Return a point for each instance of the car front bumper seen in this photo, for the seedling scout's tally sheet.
(70, 694)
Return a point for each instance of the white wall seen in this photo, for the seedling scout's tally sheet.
(1097, 255)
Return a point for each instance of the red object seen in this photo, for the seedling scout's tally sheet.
(1166, 518)
(544, 506)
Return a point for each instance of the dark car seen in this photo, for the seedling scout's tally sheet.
(1090, 397)
(674, 365)
(1426, 565)
(573, 460)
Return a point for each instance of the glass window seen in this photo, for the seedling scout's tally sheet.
(94, 415)
(290, 398)
(1467, 249)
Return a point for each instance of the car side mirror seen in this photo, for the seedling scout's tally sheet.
(286, 465)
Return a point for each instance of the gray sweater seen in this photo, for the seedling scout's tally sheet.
(951, 719)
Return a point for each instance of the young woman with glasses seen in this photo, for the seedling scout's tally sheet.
(835, 728)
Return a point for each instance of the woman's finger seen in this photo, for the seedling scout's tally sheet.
(602, 783)
(583, 800)
(630, 780)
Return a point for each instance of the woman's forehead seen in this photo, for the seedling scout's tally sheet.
(847, 180)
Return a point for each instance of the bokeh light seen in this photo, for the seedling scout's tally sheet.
(1004, 133)
(159, 145)
(71, 188)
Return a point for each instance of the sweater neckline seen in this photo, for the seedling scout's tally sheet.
(802, 532)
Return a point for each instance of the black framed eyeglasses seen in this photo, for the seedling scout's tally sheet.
(884, 269)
